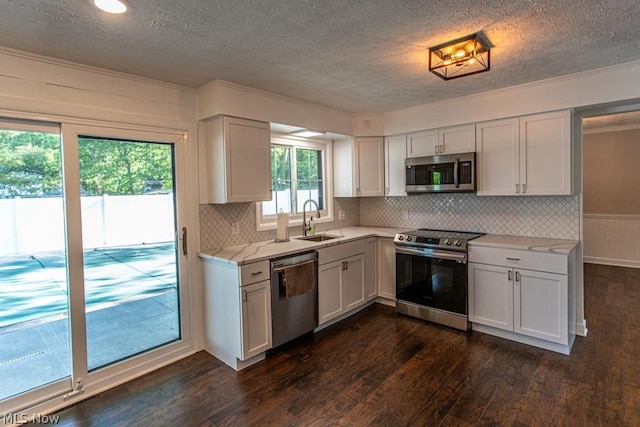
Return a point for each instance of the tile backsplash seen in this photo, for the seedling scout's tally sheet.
(540, 216)
(215, 223)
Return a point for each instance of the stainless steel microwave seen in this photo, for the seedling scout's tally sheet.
(445, 173)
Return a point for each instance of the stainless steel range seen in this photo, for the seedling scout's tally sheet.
(431, 275)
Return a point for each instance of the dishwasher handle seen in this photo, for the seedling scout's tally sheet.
(281, 268)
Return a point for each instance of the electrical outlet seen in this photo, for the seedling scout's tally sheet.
(405, 214)
(341, 215)
(235, 228)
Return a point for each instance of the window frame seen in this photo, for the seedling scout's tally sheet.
(269, 222)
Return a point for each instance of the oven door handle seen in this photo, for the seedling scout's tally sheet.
(431, 253)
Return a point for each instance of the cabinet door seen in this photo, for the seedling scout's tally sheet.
(424, 143)
(386, 269)
(395, 150)
(457, 139)
(491, 295)
(498, 157)
(545, 153)
(541, 305)
(371, 263)
(330, 291)
(354, 282)
(248, 160)
(256, 318)
(369, 157)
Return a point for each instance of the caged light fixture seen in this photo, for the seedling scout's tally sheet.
(460, 57)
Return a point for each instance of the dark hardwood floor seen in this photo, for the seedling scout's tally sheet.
(379, 368)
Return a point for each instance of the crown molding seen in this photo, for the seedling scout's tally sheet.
(88, 68)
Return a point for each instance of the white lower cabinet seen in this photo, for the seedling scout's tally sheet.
(386, 268)
(237, 311)
(371, 270)
(341, 279)
(256, 318)
(531, 306)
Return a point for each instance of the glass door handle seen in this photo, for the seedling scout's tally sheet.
(183, 237)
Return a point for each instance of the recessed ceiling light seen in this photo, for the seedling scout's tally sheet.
(307, 133)
(112, 6)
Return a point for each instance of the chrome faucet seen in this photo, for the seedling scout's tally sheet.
(306, 227)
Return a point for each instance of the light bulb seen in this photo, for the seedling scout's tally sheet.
(112, 6)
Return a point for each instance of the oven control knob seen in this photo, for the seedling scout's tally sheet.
(401, 237)
(447, 242)
(457, 243)
(408, 238)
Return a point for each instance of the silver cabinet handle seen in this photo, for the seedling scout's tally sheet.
(517, 276)
(517, 188)
(513, 259)
(435, 148)
(509, 275)
(524, 188)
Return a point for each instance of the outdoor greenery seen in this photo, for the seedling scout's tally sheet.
(30, 166)
(294, 170)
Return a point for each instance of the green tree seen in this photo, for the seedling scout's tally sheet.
(30, 165)
(123, 167)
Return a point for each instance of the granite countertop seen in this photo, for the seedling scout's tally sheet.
(537, 244)
(260, 251)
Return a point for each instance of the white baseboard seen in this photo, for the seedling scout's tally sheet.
(581, 328)
(613, 262)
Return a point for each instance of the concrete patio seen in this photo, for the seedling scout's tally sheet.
(131, 304)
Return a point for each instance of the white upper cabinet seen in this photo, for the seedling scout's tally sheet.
(395, 152)
(450, 140)
(530, 155)
(498, 157)
(423, 143)
(359, 167)
(457, 139)
(545, 154)
(234, 160)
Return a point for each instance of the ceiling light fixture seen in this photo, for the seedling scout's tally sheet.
(307, 133)
(112, 6)
(460, 57)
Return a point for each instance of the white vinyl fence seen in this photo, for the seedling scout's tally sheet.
(37, 224)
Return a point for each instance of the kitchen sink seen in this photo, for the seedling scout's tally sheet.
(318, 237)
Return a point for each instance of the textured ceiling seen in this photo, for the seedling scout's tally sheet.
(361, 56)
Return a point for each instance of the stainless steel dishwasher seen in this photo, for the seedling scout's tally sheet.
(295, 316)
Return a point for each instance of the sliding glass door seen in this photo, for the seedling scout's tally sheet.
(92, 268)
(129, 247)
(34, 310)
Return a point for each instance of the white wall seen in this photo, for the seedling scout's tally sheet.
(616, 83)
(220, 97)
(612, 239)
(611, 198)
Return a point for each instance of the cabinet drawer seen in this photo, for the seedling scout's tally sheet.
(340, 252)
(513, 258)
(255, 272)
